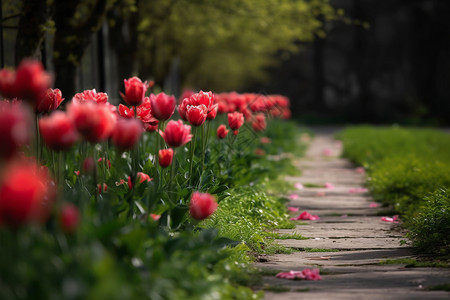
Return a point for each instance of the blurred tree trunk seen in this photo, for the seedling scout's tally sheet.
(74, 30)
(123, 40)
(31, 31)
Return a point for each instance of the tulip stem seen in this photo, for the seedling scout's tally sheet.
(203, 152)
(192, 148)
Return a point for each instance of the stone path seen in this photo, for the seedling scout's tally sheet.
(351, 237)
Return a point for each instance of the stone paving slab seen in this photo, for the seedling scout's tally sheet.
(352, 238)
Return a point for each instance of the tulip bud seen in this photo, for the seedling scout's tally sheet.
(202, 205)
(14, 128)
(165, 157)
(7, 78)
(58, 131)
(134, 91)
(49, 101)
(222, 131)
(177, 134)
(69, 218)
(126, 133)
(235, 120)
(31, 81)
(26, 194)
(163, 106)
(196, 115)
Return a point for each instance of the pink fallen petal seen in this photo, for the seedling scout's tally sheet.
(320, 194)
(344, 216)
(328, 185)
(307, 274)
(312, 274)
(373, 204)
(357, 190)
(298, 186)
(294, 196)
(291, 275)
(394, 219)
(360, 170)
(305, 216)
(327, 152)
(293, 209)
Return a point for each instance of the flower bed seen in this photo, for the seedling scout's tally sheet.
(100, 201)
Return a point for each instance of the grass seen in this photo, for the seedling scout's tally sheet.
(313, 185)
(276, 288)
(290, 236)
(440, 287)
(319, 250)
(415, 263)
(408, 171)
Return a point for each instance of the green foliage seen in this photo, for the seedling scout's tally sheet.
(415, 263)
(430, 228)
(404, 166)
(222, 45)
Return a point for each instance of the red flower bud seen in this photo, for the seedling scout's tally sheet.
(163, 106)
(165, 157)
(31, 81)
(126, 133)
(14, 128)
(222, 131)
(7, 79)
(235, 120)
(202, 205)
(25, 194)
(259, 123)
(99, 188)
(177, 134)
(213, 112)
(95, 122)
(196, 115)
(134, 91)
(58, 131)
(50, 101)
(140, 177)
(88, 165)
(69, 218)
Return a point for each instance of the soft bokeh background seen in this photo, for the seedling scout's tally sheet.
(338, 61)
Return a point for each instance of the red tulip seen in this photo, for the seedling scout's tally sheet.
(163, 106)
(222, 131)
(89, 165)
(196, 115)
(212, 113)
(25, 193)
(134, 91)
(7, 79)
(205, 98)
(50, 101)
(99, 188)
(150, 128)
(126, 133)
(14, 128)
(58, 131)
(90, 96)
(259, 123)
(165, 157)
(31, 81)
(141, 177)
(95, 122)
(182, 109)
(69, 218)
(235, 120)
(144, 112)
(177, 134)
(202, 205)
